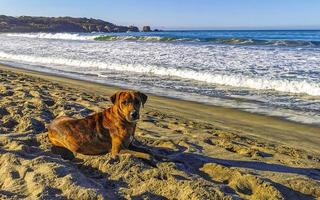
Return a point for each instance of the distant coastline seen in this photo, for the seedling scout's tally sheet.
(25, 24)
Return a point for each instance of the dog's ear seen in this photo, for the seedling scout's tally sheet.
(114, 97)
(143, 97)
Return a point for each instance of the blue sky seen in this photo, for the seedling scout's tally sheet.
(179, 14)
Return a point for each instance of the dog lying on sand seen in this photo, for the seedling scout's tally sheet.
(109, 131)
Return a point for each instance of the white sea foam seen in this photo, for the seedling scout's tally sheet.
(291, 86)
(60, 36)
(79, 36)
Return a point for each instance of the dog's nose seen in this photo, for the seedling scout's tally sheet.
(134, 114)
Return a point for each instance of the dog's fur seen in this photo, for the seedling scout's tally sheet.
(109, 131)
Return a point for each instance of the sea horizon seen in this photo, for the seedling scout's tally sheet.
(237, 29)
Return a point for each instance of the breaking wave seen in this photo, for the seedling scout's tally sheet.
(235, 41)
(283, 85)
(217, 40)
(57, 36)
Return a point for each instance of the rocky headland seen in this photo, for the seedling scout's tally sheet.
(59, 24)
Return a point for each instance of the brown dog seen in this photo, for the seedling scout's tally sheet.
(109, 131)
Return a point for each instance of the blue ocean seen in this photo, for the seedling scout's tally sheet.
(275, 73)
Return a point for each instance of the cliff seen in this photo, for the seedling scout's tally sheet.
(59, 24)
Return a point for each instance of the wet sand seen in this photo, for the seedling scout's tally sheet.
(214, 152)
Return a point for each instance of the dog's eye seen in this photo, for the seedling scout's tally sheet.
(136, 101)
(126, 102)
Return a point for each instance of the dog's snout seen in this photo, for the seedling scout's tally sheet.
(134, 114)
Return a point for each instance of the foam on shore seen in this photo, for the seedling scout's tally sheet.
(290, 86)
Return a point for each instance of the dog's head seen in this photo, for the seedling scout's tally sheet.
(129, 104)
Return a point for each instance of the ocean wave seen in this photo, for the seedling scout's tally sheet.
(236, 80)
(143, 38)
(234, 41)
(217, 40)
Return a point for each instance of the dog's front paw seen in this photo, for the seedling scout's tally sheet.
(114, 159)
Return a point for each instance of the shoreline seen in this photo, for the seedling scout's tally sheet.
(268, 127)
(229, 103)
(59, 77)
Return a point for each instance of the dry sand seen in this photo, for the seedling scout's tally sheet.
(214, 153)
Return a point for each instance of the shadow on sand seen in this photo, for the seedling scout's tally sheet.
(188, 162)
(191, 163)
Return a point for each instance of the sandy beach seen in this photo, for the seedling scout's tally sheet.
(214, 152)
